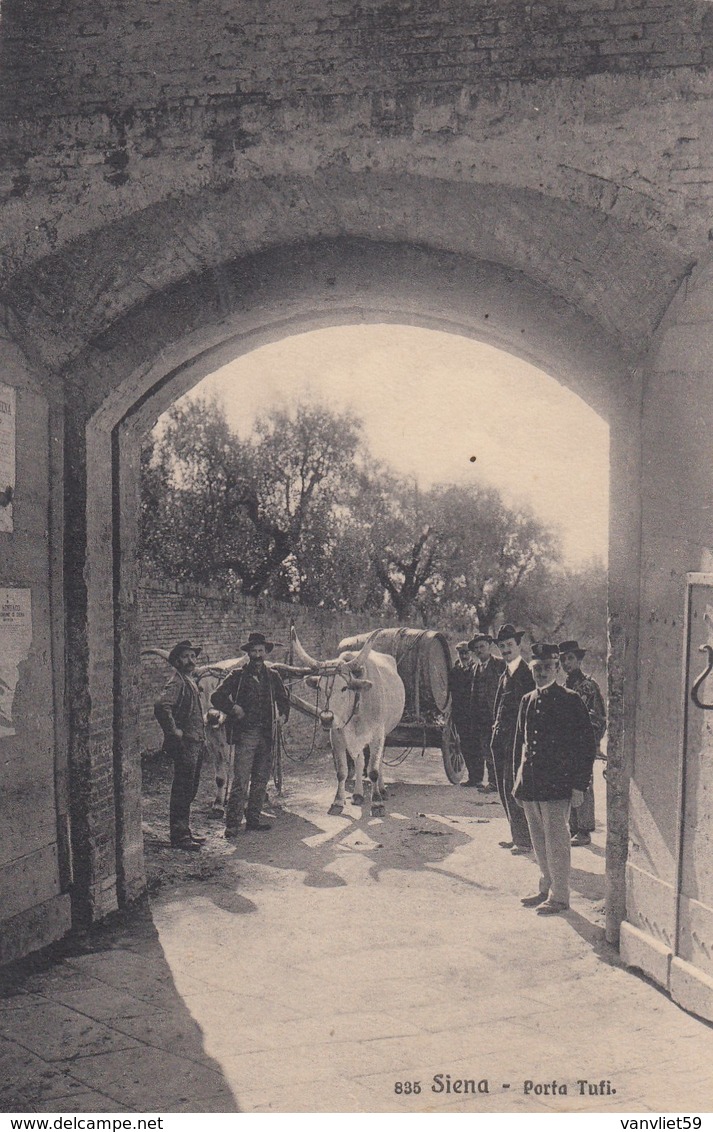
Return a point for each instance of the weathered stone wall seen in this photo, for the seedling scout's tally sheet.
(669, 907)
(35, 867)
(486, 127)
(145, 53)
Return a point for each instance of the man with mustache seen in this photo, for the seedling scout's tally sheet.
(554, 751)
(255, 701)
(514, 683)
(180, 715)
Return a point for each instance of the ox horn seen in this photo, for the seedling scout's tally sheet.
(301, 656)
(163, 653)
(362, 656)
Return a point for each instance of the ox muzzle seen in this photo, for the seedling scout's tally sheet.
(326, 718)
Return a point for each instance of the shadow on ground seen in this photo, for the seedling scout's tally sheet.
(97, 1025)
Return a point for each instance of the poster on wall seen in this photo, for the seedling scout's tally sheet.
(15, 639)
(7, 456)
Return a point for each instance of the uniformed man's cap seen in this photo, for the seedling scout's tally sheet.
(572, 646)
(542, 650)
(508, 632)
(182, 646)
(478, 638)
(462, 646)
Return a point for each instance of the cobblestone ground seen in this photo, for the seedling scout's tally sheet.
(334, 962)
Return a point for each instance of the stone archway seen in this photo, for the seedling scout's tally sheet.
(149, 361)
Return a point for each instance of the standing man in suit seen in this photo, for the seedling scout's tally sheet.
(581, 819)
(514, 683)
(554, 749)
(254, 699)
(486, 677)
(460, 680)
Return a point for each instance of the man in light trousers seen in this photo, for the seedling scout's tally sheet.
(553, 754)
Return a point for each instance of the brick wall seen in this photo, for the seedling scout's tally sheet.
(149, 53)
(148, 141)
(172, 611)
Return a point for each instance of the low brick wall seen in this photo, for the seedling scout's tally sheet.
(171, 611)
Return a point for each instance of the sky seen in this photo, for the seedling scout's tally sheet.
(430, 401)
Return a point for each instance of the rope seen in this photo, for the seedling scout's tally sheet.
(416, 641)
(397, 759)
(313, 747)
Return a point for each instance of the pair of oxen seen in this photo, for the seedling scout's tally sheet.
(360, 698)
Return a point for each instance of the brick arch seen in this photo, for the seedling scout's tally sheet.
(80, 298)
(162, 349)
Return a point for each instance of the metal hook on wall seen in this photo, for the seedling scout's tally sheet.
(703, 676)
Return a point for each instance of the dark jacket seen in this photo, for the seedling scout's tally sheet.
(483, 692)
(554, 746)
(259, 697)
(179, 708)
(459, 681)
(589, 691)
(509, 693)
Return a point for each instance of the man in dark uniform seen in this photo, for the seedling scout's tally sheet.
(554, 749)
(460, 680)
(180, 715)
(253, 699)
(581, 819)
(514, 683)
(486, 678)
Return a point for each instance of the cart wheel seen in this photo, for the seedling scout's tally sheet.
(453, 761)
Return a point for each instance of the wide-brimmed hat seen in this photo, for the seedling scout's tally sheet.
(478, 638)
(572, 646)
(508, 632)
(182, 646)
(543, 650)
(257, 639)
(463, 646)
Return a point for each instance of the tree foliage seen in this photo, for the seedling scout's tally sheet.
(301, 511)
(459, 552)
(241, 512)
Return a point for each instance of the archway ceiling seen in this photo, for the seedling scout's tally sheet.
(616, 274)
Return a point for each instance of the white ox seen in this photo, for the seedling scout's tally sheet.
(360, 699)
(209, 678)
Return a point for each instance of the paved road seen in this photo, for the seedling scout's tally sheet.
(327, 964)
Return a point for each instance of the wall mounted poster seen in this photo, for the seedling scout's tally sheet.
(7, 456)
(15, 640)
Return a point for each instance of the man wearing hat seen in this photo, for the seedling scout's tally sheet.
(581, 819)
(515, 681)
(554, 751)
(179, 712)
(460, 680)
(486, 677)
(254, 700)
